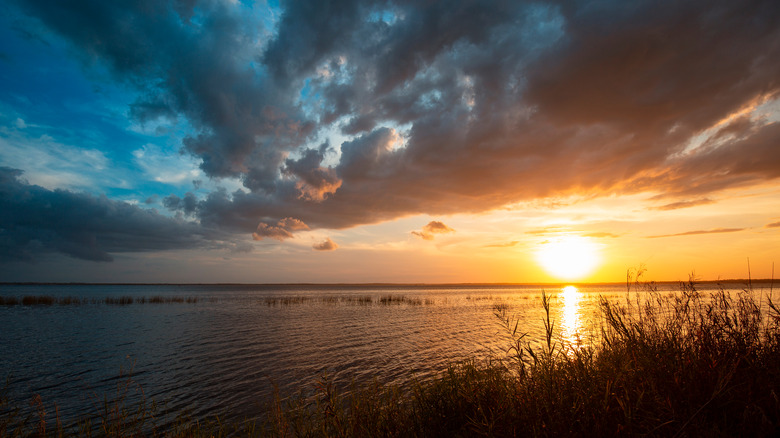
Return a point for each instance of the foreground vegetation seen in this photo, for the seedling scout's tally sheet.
(687, 364)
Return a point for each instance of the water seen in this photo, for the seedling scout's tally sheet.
(225, 353)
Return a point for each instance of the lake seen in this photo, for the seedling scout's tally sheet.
(222, 349)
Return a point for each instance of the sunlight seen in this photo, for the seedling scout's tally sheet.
(570, 314)
(568, 257)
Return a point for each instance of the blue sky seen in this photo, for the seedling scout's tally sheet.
(256, 141)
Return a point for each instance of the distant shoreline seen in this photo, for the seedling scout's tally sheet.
(381, 284)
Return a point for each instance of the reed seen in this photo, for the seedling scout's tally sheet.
(364, 300)
(388, 300)
(47, 300)
(119, 301)
(8, 301)
(41, 300)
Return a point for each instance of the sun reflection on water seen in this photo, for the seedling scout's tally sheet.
(571, 321)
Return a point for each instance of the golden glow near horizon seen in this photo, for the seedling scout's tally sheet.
(568, 257)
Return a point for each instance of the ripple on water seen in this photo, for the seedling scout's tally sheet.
(227, 352)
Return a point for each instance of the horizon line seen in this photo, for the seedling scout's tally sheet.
(747, 281)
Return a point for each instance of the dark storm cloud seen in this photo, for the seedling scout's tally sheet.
(448, 107)
(35, 220)
(186, 205)
(314, 181)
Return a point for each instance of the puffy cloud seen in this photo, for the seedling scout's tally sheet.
(35, 220)
(444, 108)
(433, 227)
(326, 245)
(282, 230)
(313, 181)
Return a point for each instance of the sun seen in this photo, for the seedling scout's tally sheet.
(569, 257)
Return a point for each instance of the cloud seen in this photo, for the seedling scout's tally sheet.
(555, 230)
(187, 205)
(53, 164)
(166, 167)
(433, 227)
(773, 225)
(692, 233)
(683, 204)
(313, 181)
(327, 245)
(503, 245)
(600, 234)
(282, 230)
(35, 221)
(440, 108)
(547, 230)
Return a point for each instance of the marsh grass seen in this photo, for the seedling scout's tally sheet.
(681, 364)
(363, 300)
(48, 300)
(390, 300)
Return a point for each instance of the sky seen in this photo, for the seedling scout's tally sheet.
(204, 141)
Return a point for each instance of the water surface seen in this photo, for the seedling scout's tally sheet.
(226, 350)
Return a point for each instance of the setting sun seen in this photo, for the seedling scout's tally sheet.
(568, 257)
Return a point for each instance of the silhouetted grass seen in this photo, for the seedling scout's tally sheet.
(683, 364)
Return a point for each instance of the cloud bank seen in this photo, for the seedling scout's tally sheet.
(431, 107)
(36, 221)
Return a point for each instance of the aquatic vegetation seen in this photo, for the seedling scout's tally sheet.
(398, 300)
(47, 300)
